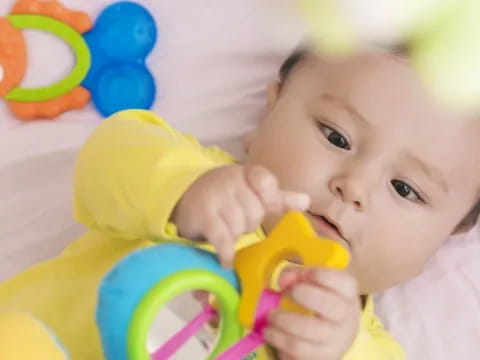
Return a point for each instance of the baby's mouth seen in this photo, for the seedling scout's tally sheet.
(328, 227)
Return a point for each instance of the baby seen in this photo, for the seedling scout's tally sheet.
(355, 144)
(375, 158)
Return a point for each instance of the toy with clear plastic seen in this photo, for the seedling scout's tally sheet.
(140, 285)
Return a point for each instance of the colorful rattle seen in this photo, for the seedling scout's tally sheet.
(139, 286)
(110, 59)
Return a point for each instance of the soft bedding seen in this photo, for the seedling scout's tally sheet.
(212, 62)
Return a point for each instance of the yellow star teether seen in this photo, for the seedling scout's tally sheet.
(293, 237)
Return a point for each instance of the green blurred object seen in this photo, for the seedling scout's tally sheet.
(443, 38)
(230, 330)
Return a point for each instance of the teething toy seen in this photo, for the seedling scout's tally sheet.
(135, 290)
(49, 101)
(123, 36)
(72, 38)
(13, 56)
(110, 59)
(255, 264)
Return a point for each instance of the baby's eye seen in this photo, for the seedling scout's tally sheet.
(334, 137)
(406, 191)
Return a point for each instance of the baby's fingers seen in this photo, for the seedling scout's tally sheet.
(307, 328)
(339, 282)
(275, 201)
(323, 302)
(265, 185)
(292, 347)
(292, 200)
(201, 296)
(219, 235)
(290, 274)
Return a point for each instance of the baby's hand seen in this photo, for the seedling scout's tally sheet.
(328, 334)
(230, 201)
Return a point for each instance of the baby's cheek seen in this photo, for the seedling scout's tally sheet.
(384, 262)
(407, 257)
(426, 240)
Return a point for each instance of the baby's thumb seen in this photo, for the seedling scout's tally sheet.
(289, 275)
(292, 200)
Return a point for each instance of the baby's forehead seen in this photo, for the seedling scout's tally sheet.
(380, 85)
(384, 76)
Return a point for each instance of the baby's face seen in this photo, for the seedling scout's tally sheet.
(391, 169)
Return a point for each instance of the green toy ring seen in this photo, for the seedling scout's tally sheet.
(148, 308)
(72, 38)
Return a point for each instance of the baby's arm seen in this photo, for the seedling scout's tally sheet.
(136, 176)
(230, 201)
(132, 172)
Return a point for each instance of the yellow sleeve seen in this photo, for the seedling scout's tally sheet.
(133, 170)
(373, 342)
(23, 337)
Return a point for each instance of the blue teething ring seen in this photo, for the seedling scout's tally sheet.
(166, 290)
(123, 36)
(122, 85)
(131, 286)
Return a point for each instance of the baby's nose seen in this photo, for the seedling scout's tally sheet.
(349, 191)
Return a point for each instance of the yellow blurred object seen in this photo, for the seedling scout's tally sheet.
(24, 338)
(292, 238)
(324, 18)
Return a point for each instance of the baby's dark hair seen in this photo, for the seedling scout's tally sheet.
(470, 219)
(295, 58)
(304, 51)
(301, 53)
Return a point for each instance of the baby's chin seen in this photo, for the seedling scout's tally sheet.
(371, 286)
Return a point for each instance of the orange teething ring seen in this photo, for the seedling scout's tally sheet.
(78, 20)
(13, 56)
(13, 59)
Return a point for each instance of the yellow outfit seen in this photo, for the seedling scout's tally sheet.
(24, 338)
(128, 178)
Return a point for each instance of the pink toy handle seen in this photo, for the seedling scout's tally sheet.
(179, 339)
(269, 300)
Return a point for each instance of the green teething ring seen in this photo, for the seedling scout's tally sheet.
(144, 315)
(72, 38)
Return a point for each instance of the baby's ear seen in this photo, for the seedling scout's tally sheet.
(273, 94)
